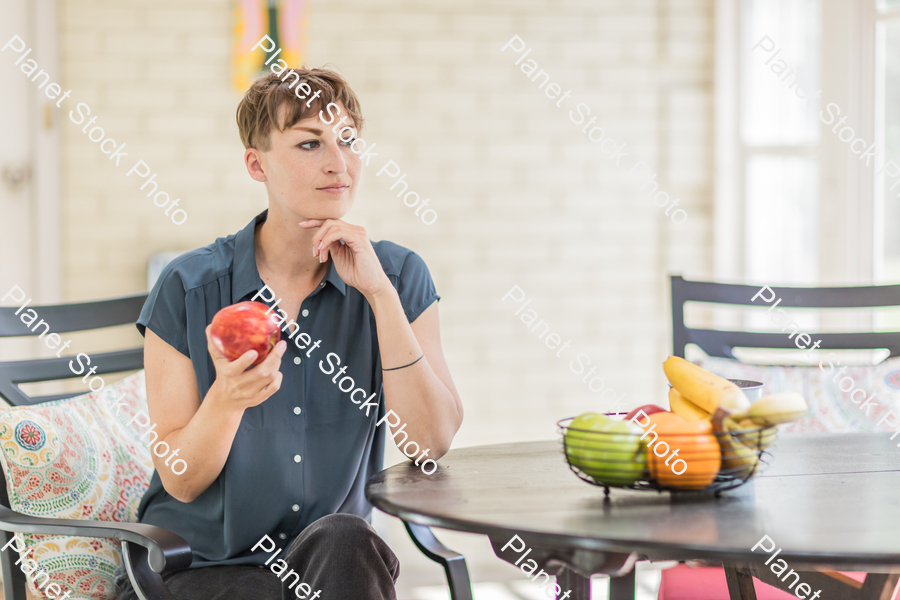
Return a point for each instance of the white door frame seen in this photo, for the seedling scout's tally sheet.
(29, 124)
(46, 126)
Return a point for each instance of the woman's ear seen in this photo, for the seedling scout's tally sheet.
(252, 158)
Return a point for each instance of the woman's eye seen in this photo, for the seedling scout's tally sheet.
(310, 145)
(347, 142)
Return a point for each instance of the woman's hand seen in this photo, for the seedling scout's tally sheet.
(355, 259)
(238, 385)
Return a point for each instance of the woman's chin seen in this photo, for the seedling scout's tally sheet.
(319, 213)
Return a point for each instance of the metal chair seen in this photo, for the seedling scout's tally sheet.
(148, 551)
(720, 343)
(739, 578)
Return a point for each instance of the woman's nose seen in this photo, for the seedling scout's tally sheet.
(336, 162)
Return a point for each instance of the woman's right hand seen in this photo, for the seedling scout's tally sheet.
(238, 385)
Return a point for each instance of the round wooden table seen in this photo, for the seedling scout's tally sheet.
(827, 500)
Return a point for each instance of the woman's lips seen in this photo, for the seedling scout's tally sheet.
(334, 189)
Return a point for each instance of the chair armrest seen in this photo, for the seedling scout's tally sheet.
(166, 551)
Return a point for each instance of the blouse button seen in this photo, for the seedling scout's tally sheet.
(283, 536)
(305, 312)
(297, 458)
(297, 360)
(297, 410)
(295, 507)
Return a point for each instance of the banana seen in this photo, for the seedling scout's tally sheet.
(775, 409)
(756, 438)
(683, 407)
(706, 390)
(738, 460)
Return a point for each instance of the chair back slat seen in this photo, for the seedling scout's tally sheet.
(62, 318)
(721, 343)
(80, 316)
(13, 373)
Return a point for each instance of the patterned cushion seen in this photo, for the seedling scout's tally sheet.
(831, 409)
(76, 459)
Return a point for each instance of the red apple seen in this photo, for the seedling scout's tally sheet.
(242, 327)
(648, 409)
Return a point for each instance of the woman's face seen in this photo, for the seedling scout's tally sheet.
(308, 169)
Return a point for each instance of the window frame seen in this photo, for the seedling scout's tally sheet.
(848, 233)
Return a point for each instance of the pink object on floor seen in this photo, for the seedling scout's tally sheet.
(708, 583)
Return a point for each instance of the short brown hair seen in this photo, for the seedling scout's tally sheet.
(258, 110)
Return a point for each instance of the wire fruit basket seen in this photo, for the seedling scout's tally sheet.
(711, 462)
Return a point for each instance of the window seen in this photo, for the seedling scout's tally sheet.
(887, 127)
(778, 139)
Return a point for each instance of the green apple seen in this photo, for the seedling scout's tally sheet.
(609, 451)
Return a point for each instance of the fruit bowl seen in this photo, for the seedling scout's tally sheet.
(711, 462)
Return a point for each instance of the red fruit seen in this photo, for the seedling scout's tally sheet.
(648, 409)
(242, 327)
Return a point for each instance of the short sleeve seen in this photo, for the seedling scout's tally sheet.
(165, 311)
(415, 287)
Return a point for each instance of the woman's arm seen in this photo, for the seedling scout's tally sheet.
(423, 395)
(202, 431)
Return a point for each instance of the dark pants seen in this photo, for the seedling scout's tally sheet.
(340, 554)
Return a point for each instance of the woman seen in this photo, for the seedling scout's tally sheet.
(278, 455)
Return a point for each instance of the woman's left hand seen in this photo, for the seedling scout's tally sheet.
(355, 259)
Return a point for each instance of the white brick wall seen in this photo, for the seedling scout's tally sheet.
(522, 196)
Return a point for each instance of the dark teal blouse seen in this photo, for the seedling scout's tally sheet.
(308, 450)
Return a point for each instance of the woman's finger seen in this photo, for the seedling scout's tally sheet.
(327, 226)
(273, 361)
(242, 362)
(312, 223)
(271, 386)
(335, 236)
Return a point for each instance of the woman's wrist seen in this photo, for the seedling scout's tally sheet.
(385, 293)
(219, 403)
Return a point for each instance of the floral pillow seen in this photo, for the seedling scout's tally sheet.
(76, 459)
(837, 401)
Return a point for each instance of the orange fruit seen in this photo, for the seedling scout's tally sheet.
(698, 457)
